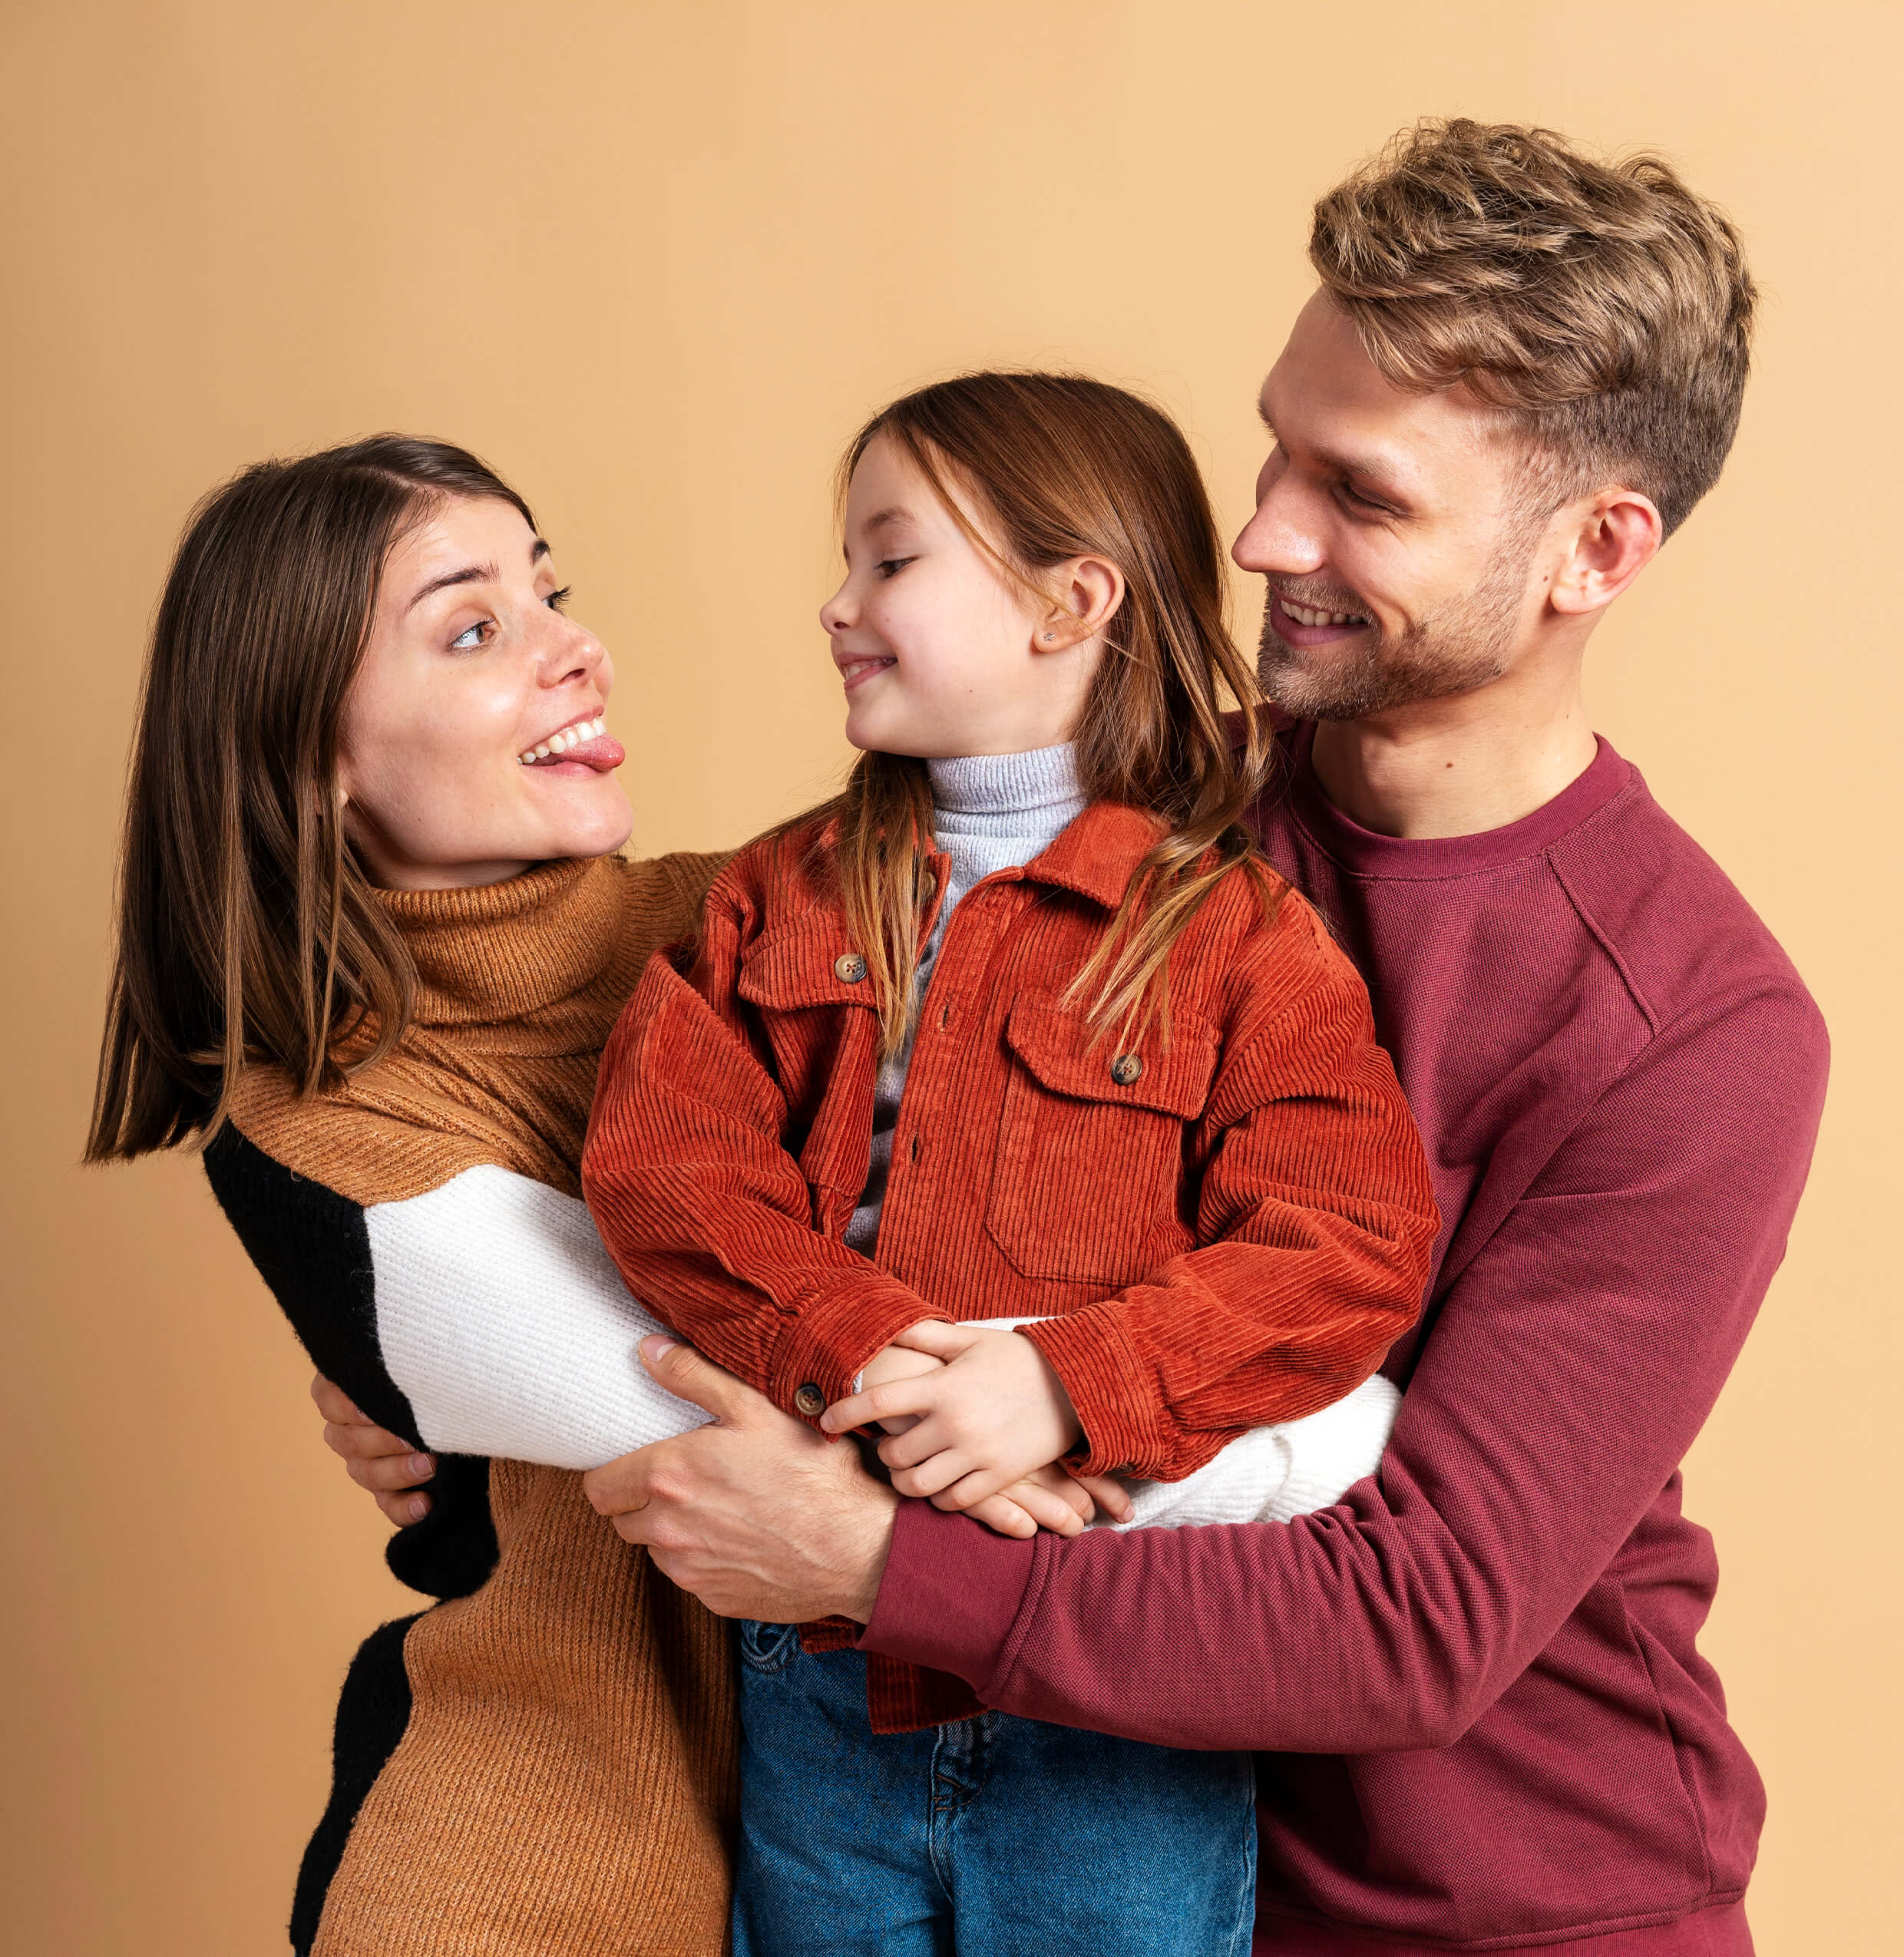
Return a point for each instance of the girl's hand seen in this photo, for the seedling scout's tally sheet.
(896, 1362)
(376, 1459)
(995, 1413)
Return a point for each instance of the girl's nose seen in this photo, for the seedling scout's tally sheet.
(836, 615)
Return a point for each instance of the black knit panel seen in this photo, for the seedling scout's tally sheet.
(311, 1247)
(372, 1712)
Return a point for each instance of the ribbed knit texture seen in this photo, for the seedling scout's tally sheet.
(567, 1778)
(990, 812)
(1224, 1227)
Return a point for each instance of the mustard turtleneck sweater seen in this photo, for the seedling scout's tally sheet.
(545, 1762)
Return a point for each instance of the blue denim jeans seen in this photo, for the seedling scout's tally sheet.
(990, 1837)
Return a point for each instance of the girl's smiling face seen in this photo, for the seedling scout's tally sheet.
(942, 653)
(472, 745)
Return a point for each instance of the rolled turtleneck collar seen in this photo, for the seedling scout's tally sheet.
(1044, 779)
(499, 950)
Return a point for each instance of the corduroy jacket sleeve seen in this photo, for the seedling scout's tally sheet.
(707, 1214)
(1317, 1221)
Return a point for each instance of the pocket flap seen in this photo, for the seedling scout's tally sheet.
(804, 962)
(1070, 1055)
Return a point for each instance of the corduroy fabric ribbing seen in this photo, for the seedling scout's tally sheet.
(566, 1779)
(1223, 1226)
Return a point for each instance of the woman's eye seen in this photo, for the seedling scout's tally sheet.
(473, 638)
(556, 601)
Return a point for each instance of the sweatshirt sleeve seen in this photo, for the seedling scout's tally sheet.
(1317, 1221)
(1568, 1369)
(689, 1174)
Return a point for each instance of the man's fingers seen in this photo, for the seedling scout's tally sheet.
(333, 1402)
(385, 1474)
(1005, 1516)
(691, 1376)
(1108, 1493)
(1046, 1507)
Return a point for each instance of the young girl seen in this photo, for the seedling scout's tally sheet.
(1019, 1028)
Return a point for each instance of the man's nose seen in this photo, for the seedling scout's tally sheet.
(1280, 537)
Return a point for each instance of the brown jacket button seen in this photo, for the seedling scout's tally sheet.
(1125, 1069)
(850, 967)
(810, 1401)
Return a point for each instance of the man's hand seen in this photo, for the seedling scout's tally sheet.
(375, 1459)
(757, 1515)
(995, 1412)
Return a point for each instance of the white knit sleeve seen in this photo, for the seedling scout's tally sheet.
(508, 1328)
(1270, 1474)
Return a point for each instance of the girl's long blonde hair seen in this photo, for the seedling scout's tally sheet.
(1066, 466)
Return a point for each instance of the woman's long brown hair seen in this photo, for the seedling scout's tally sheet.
(246, 930)
(1060, 467)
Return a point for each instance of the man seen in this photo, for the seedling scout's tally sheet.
(1482, 1720)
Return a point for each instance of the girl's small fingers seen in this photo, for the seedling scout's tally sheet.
(918, 1442)
(972, 1485)
(916, 1395)
(403, 1509)
(930, 1477)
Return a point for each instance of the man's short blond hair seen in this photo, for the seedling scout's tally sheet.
(1604, 307)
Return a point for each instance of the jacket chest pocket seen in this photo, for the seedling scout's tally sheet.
(1089, 1170)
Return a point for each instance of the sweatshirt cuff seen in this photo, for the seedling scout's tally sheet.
(831, 1337)
(1106, 1378)
(951, 1592)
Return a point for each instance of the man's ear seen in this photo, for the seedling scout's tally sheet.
(1618, 533)
(1086, 594)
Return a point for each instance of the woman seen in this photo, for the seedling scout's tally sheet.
(372, 939)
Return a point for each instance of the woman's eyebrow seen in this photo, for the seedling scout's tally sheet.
(473, 574)
(466, 574)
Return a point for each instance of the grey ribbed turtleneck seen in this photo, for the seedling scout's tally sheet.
(990, 812)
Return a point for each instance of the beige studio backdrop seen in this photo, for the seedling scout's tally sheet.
(656, 263)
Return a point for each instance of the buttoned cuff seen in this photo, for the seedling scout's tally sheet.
(1108, 1379)
(821, 1350)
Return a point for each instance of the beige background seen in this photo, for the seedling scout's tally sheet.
(656, 262)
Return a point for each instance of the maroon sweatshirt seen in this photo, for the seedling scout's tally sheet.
(1482, 1721)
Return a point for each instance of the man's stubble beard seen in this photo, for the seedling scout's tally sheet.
(1463, 645)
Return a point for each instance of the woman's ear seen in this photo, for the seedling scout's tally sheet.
(1087, 593)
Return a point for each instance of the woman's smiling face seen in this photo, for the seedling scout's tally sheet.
(471, 745)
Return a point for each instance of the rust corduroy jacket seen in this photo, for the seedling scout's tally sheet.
(1223, 1230)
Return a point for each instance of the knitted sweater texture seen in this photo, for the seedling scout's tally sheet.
(564, 1779)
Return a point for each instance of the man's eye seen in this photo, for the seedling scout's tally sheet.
(1354, 495)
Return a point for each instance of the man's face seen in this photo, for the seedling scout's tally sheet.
(1400, 552)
